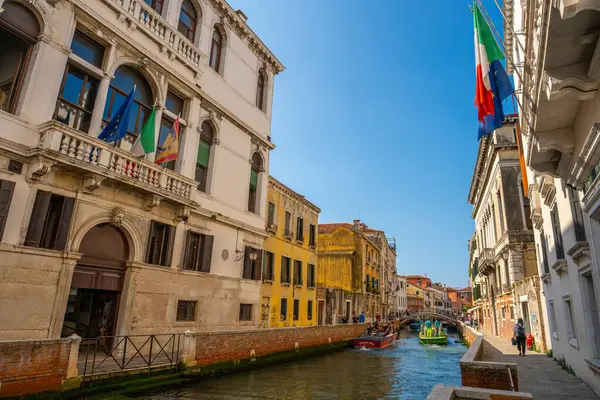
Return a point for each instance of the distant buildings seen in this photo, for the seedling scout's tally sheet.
(288, 292)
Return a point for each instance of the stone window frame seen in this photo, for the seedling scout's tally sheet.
(570, 320)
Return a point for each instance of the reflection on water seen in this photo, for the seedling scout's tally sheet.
(407, 370)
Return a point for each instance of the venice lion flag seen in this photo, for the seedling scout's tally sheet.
(170, 146)
(492, 83)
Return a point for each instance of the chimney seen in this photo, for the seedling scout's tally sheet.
(242, 15)
(357, 225)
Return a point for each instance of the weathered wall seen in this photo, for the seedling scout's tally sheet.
(33, 366)
(216, 347)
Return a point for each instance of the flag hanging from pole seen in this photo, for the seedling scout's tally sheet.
(145, 142)
(116, 129)
(492, 85)
(170, 146)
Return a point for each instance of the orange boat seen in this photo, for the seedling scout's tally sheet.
(374, 341)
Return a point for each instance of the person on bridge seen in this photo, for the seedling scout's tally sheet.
(520, 335)
(361, 319)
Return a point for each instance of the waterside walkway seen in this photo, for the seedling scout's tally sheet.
(539, 374)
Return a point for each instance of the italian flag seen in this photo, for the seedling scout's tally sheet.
(145, 142)
(486, 52)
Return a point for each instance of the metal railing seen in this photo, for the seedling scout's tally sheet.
(114, 355)
(510, 378)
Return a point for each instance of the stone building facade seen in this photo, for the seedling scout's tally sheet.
(94, 240)
(557, 81)
(350, 271)
(288, 293)
(505, 266)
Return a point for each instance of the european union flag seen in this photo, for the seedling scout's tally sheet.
(116, 129)
(501, 89)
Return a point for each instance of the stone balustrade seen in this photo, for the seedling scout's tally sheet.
(169, 38)
(67, 146)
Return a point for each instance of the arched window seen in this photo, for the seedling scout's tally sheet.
(255, 169)
(261, 90)
(206, 138)
(19, 30)
(216, 48)
(188, 20)
(125, 79)
(157, 5)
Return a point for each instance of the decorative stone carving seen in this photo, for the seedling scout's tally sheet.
(561, 267)
(547, 190)
(92, 182)
(151, 202)
(580, 254)
(39, 168)
(182, 215)
(117, 217)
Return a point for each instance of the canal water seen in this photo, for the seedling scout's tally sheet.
(407, 371)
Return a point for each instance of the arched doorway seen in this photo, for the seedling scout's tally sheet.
(97, 283)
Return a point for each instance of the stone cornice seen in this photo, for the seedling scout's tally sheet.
(580, 88)
(508, 36)
(241, 28)
(275, 184)
(476, 180)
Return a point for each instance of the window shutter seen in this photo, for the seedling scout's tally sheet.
(207, 248)
(186, 250)
(38, 218)
(253, 179)
(271, 266)
(247, 273)
(169, 249)
(256, 271)
(203, 153)
(149, 244)
(282, 269)
(62, 233)
(6, 193)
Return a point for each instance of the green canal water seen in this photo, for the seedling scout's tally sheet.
(407, 370)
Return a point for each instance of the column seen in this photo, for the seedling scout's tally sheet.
(177, 257)
(99, 104)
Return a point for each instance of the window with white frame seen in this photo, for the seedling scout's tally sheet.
(570, 321)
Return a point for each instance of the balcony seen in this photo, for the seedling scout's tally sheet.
(138, 15)
(96, 160)
(486, 261)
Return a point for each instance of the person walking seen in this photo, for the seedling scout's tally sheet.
(520, 335)
(361, 319)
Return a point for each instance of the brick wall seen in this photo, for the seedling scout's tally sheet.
(216, 347)
(489, 375)
(33, 366)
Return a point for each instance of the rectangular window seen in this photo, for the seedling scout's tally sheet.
(309, 310)
(286, 265)
(271, 214)
(198, 252)
(245, 312)
(166, 125)
(512, 312)
(50, 221)
(368, 282)
(76, 98)
(300, 229)
(288, 224)
(160, 244)
(311, 276)
(296, 309)
(590, 312)
(553, 325)
(544, 243)
(87, 49)
(283, 309)
(577, 214)
(297, 272)
(252, 263)
(202, 160)
(558, 242)
(269, 266)
(252, 192)
(312, 235)
(174, 103)
(500, 212)
(6, 193)
(503, 312)
(571, 333)
(186, 310)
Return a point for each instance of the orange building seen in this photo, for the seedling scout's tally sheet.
(418, 280)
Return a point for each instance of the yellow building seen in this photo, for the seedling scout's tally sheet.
(288, 293)
(415, 297)
(350, 268)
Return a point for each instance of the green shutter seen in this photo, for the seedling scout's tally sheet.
(253, 179)
(203, 153)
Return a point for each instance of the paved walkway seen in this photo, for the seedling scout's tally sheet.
(538, 374)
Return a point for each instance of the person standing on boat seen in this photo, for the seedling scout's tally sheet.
(361, 319)
(428, 327)
(437, 327)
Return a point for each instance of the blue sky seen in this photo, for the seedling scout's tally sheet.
(374, 116)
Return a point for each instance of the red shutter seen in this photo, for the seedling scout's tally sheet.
(207, 249)
(38, 218)
(6, 193)
(62, 232)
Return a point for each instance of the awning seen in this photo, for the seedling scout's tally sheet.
(473, 309)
